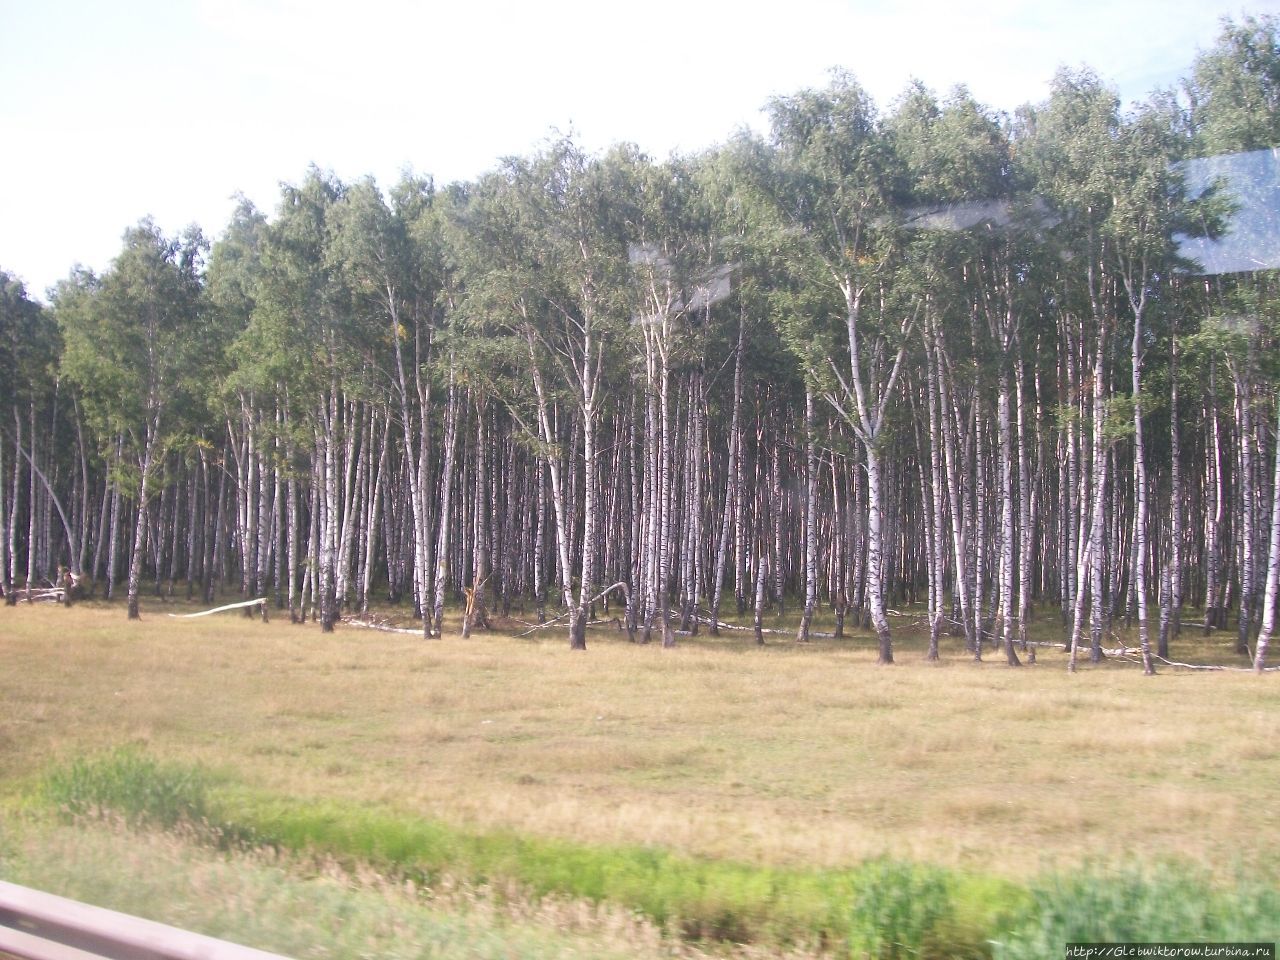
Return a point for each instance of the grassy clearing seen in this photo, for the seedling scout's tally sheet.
(783, 756)
(694, 784)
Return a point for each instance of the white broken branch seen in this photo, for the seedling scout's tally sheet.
(229, 606)
(551, 623)
(384, 627)
(1194, 666)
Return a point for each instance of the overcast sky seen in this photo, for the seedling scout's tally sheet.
(113, 111)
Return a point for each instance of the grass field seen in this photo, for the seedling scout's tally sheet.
(782, 758)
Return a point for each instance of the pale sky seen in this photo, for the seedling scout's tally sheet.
(111, 111)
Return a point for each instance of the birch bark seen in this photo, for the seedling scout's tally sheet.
(1269, 598)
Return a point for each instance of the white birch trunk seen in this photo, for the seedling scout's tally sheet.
(326, 588)
(150, 441)
(1244, 406)
(1026, 516)
(1177, 524)
(1273, 566)
(433, 625)
(731, 487)
(1004, 429)
(810, 521)
(1213, 516)
(588, 383)
(1140, 501)
(375, 505)
(1098, 612)
(937, 561)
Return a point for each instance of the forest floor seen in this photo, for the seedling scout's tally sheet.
(782, 757)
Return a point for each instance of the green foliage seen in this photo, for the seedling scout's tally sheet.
(1235, 88)
(948, 153)
(29, 344)
(129, 344)
(905, 910)
(1170, 903)
(235, 267)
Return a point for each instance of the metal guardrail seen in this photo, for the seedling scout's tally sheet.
(40, 926)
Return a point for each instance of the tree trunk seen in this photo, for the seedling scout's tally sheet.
(1140, 498)
(875, 555)
(140, 527)
(446, 502)
(810, 521)
(1005, 431)
(1244, 404)
(1099, 483)
(1273, 566)
(1213, 515)
(475, 609)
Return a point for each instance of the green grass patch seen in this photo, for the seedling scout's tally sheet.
(127, 783)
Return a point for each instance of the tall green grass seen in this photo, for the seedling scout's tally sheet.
(1168, 903)
(127, 783)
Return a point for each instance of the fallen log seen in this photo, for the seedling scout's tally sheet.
(1193, 666)
(229, 606)
(383, 627)
(721, 625)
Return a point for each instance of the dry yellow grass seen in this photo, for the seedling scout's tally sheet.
(799, 755)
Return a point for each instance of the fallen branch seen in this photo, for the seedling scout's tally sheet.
(543, 626)
(721, 625)
(229, 606)
(620, 585)
(384, 627)
(1195, 666)
(1082, 648)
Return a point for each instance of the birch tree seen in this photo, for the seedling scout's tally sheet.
(830, 197)
(128, 353)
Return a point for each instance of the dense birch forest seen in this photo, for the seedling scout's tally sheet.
(922, 356)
